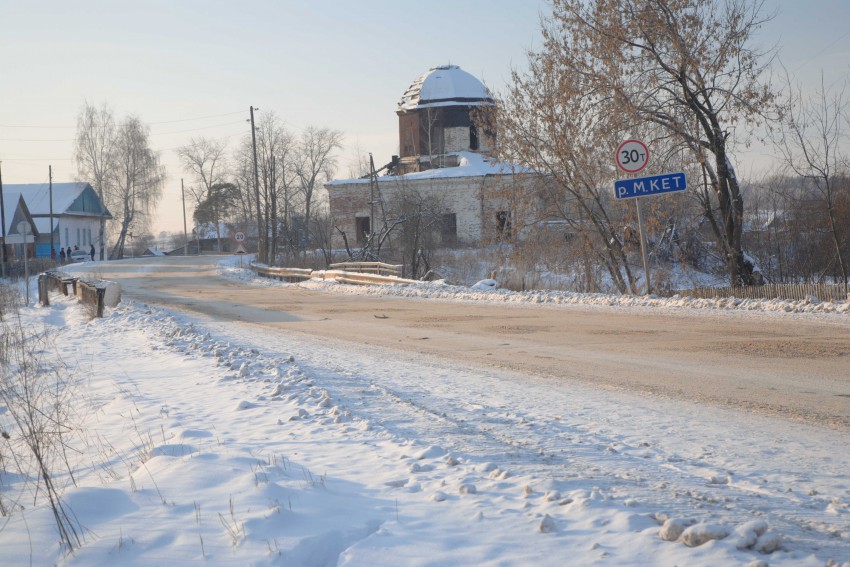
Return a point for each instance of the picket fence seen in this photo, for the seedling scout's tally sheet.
(794, 292)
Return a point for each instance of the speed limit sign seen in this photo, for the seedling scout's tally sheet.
(239, 236)
(632, 156)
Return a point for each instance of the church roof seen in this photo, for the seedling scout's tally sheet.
(447, 85)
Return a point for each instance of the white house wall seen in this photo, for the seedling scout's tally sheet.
(82, 232)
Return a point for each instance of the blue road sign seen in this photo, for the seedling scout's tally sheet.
(646, 186)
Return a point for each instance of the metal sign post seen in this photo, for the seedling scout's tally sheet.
(239, 238)
(632, 156)
(643, 248)
(24, 230)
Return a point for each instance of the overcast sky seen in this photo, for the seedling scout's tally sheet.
(192, 68)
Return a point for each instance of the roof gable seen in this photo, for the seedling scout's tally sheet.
(15, 210)
(87, 202)
(68, 198)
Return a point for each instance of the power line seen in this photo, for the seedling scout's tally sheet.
(36, 159)
(819, 53)
(152, 134)
(199, 118)
(149, 123)
(26, 140)
(225, 138)
(196, 129)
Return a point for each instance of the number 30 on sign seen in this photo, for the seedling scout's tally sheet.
(632, 156)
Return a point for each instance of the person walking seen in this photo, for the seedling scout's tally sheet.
(92, 252)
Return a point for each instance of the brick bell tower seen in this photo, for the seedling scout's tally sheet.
(440, 115)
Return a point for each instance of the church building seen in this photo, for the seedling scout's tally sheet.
(446, 144)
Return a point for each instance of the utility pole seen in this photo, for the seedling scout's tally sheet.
(260, 236)
(372, 182)
(3, 223)
(271, 211)
(50, 178)
(185, 234)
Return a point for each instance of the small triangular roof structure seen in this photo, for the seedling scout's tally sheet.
(153, 251)
(15, 210)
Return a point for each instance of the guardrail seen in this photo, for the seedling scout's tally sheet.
(378, 268)
(96, 293)
(282, 274)
(794, 292)
(339, 275)
(365, 279)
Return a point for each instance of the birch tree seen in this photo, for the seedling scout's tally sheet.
(136, 182)
(94, 149)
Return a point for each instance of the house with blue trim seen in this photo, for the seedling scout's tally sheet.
(78, 215)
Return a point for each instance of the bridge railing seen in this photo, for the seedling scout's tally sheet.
(378, 268)
(370, 273)
(97, 294)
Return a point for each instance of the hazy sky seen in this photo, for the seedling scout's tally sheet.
(192, 68)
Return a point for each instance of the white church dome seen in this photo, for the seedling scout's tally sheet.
(447, 85)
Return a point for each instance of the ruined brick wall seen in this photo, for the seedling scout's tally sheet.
(347, 202)
(476, 201)
(408, 134)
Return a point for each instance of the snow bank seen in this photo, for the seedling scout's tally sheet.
(228, 444)
(488, 290)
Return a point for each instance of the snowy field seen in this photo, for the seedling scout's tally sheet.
(204, 443)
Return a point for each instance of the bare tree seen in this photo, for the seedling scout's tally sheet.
(275, 164)
(204, 158)
(242, 173)
(315, 163)
(812, 142)
(94, 150)
(560, 128)
(417, 219)
(683, 65)
(136, 185)
(276, 155)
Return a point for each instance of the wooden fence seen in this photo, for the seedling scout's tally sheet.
(794, 292)
(15, 270)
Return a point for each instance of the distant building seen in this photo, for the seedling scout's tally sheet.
(153, 251)
(446, 160)
(78, 219)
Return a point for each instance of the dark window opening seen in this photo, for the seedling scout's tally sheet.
(363, 228)
(503, 224)
(473, 137)
(448, 228)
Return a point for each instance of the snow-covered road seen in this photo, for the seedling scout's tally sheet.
(216, 442)
(774, 363)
